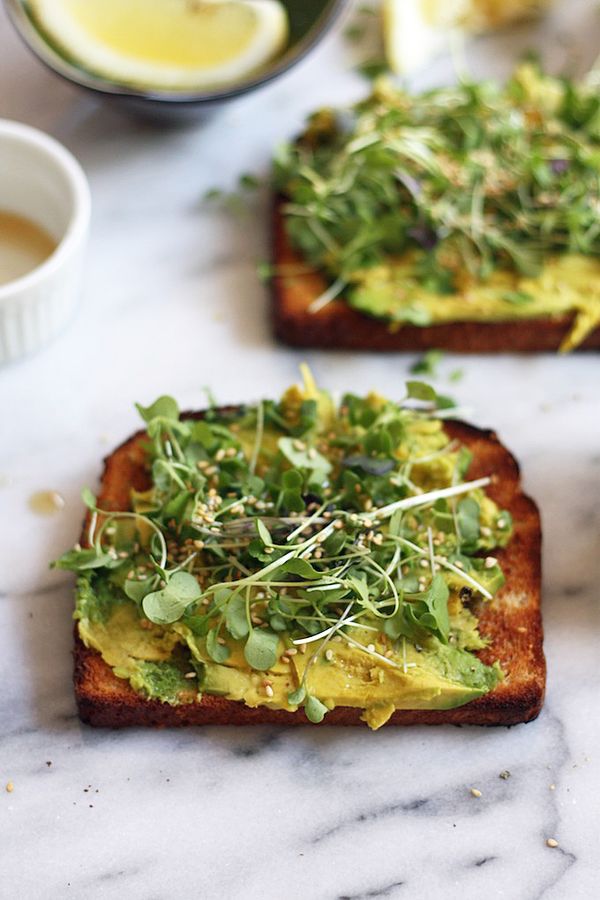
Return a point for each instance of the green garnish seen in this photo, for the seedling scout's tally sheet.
(428, 363)
(458, 182)
(298, 522)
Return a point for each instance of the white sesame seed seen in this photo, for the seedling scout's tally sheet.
(552, 842)
(490, 562)
(329, 655)
(501, 523)
(371, 648)
(268, 690)
(190, 675)
(475, 792)
(291, 651)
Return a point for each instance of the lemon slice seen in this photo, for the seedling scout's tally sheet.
(417, 30)
(167, 44)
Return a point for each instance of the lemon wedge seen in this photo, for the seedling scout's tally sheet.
(166, 44)
(416, 30)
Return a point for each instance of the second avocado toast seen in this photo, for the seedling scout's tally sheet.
(300, 561)
(462, 218)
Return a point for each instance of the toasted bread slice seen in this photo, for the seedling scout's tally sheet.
(340, 327)
(511, 622)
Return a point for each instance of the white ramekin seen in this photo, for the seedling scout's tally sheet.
(41, 180)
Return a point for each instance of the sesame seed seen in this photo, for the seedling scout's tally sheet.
(424, 563)
(199, 545)
(298, 445)
(268, 690)
(371, 648)
(490, 562)
(552, 787)
(329, 655)
(338, 524)
(221, 641)
(10, 787)
(475, 792)
(485, 531)
(219, 455)
(501, 523)
(190, 675)
(552, 842)
(291, 651)
(302, 648)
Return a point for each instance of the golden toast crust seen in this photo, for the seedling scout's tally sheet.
(340, 327)
(512, 622)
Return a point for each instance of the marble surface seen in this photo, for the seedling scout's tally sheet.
(171, 305)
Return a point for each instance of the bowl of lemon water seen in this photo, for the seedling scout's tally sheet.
(172, 58)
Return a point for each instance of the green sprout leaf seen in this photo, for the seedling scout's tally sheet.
(219, 653)
(419, 390)
(315, 710)
(428, 363)
(236, 620)
(89, 499)
(260, 651)
(164, 408)
(264, 533)
(169, 604)
(82, 560)
(468, 513)
(307, 458)
(295, 698)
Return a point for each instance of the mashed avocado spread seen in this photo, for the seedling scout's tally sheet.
(297, 554)
(468, 203)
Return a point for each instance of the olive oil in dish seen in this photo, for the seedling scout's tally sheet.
(24, 246)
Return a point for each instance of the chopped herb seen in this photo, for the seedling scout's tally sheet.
(428, 363)
(373, 69)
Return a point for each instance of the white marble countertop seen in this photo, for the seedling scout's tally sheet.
(172, 304)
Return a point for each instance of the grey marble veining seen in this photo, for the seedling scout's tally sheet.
(171, 305)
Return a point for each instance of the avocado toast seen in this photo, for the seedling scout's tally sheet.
(301, 561)
(463, 218)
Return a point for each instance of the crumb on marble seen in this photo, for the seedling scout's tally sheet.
(552, 842)
(552, 787)
(504, 775)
